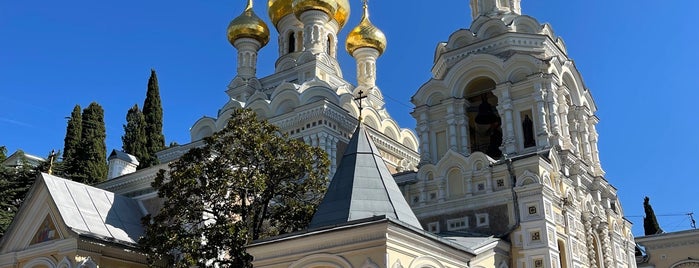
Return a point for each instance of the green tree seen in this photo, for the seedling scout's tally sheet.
(134, 140)
(71, 142)
(650, 223)
(14, 185)
(92, 153)
(153, 113)
(247, 182)
(3, 153)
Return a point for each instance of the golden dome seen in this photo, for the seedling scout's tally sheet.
(248, 25)
(365, 35)
(327, 6)
(342, 13)
(278, 9)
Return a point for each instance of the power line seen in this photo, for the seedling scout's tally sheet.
(660, 215)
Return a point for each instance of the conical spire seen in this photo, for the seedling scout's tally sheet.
(362, 188)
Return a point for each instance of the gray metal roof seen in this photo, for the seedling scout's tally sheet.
(362, 188)
(91, 211)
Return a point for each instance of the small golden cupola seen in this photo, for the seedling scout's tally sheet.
(248, 25)
(365, 35)
(278, 9)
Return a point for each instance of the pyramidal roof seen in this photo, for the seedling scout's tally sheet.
(362, 188)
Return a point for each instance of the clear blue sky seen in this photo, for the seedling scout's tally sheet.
(637, 57)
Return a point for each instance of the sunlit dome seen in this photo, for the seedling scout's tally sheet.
(365, 35)
(248, 25)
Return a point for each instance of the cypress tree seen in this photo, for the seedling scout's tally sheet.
(153, 114)
(134, 140)
(92, 156)
(71, 142)
(650, 223)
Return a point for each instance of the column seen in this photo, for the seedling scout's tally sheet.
(563, 114)
(552, 100)
(441, 192)
(603, 232)
(451, 124)
(423, 129)
(333, 155)
(462, 125)
(584, 133)
(592, 122)
(589, 240)
(541, 127)
(505, 108)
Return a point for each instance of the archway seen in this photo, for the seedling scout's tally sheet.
(483, 118)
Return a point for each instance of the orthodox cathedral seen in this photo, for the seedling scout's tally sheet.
(504, 170)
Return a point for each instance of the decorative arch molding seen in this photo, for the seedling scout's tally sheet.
(40, 261)
(424, 262)
(323, 260)
(460, 38)
(527, 177)
(526, 24)
(425, 171)
(686, 263)
(409, 139)
(260, 107)
(65, 263)
(476, 66)
(449, 161)
(285, 89)
(312, 93)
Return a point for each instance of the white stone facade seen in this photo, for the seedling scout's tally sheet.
(307, 96)
(533, 174)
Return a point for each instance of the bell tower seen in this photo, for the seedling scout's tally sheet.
(493, 8)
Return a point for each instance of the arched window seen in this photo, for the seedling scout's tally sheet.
(483, 118)
(292, 43)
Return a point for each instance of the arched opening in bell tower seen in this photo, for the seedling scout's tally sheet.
(485, 130)
(292, 43)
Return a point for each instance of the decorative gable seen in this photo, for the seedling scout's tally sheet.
(46, 232)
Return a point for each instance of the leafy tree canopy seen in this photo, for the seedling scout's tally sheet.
(247, 182)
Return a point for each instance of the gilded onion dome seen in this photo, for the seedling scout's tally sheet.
(278, 9)
(327, 6)
(365, 35)
(248, 25)
(339, 10)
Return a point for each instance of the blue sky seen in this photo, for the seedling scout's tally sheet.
(637, 58)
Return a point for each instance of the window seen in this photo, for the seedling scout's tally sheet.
(482, 219)
(433, 195)
(457, 224)
(500, 183)
(433, 227)
(292, 43)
